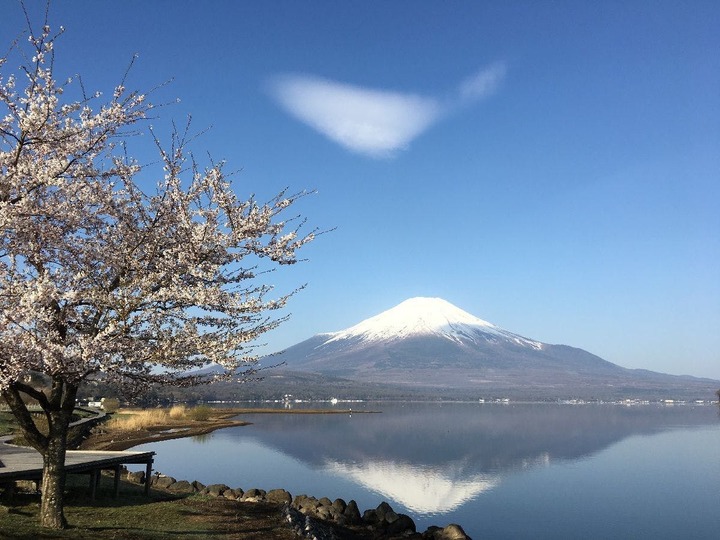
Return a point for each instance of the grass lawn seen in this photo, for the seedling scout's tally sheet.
(135, 516)
(7, 423)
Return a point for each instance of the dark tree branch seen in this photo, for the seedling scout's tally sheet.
(22, 415)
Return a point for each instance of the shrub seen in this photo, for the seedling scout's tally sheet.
(110, 405)
(201, 413)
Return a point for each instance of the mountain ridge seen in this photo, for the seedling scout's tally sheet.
(426, 316)
(430, 343)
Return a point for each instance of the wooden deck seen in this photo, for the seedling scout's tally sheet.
(21, 463)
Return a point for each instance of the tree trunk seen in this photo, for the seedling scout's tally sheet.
(58, 407)
(53, 481)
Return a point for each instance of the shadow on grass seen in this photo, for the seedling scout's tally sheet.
(159, 516)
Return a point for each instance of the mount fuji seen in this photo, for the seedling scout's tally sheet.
(430, 343)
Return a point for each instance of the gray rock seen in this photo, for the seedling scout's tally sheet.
(305, 502)
(232, 494)
(401, 524)
(352, 513)
(452, 532)
(254, 495)
(431, 531)
(382, 509)
(137, 477)
(390, 517)
(181, 486)
(278, 496)
(162, 481)
(199, 486)
(339, 505)
(370, 517)
(324, 512)
(215, 490)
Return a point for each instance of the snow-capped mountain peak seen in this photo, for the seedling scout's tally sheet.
(427, 316)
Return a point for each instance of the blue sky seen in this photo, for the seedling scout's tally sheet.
(551, 167)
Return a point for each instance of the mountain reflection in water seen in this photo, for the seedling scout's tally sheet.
(421, 489)
(430, 459)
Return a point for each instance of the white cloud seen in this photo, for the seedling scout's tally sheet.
(373, 122)
(483, 84)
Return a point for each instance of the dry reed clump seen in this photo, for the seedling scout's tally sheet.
(133, 420)
(178, 412)
(140, 419)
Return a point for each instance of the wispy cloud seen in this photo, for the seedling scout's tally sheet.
(483, 84)
(373, 122)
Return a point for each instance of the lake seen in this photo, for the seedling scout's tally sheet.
(499, 470)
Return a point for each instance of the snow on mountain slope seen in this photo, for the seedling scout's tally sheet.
(428, 317)
(429, 343)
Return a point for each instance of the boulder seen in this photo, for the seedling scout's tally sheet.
(305, 503)
(376, 517)
(233, 494)
(352, 513)
(254, 495)
(431, 531)
(324, 512)
(383, 509)
(278, 496)
(370, 517)
(163, 482)
(451, 532)
(137, 477)
(390, 517)
(199, 486)
(401, 524)
(215, 490)
(181, 486)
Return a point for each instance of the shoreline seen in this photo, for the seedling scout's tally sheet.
(302, 514)
(115, 439)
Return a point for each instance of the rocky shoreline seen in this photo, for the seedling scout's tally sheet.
(310, 517)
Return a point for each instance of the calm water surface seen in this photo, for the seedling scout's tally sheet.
(501, 471)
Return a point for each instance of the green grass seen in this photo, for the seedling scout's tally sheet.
(159, 516)
(7, 423)
(200, 413)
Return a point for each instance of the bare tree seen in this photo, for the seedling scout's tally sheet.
(99, 277)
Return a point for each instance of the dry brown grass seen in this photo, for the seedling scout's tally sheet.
(140, 419)
(133, 420)
(178, 412)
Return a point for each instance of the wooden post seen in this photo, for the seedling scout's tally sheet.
(148, 473)
(117, 480)
(93, 483)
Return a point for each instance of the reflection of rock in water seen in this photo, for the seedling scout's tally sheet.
(422, 489)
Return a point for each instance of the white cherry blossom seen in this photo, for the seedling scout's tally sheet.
(99, 277)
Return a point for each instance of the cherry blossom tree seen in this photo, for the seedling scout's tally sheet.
(102, 277)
